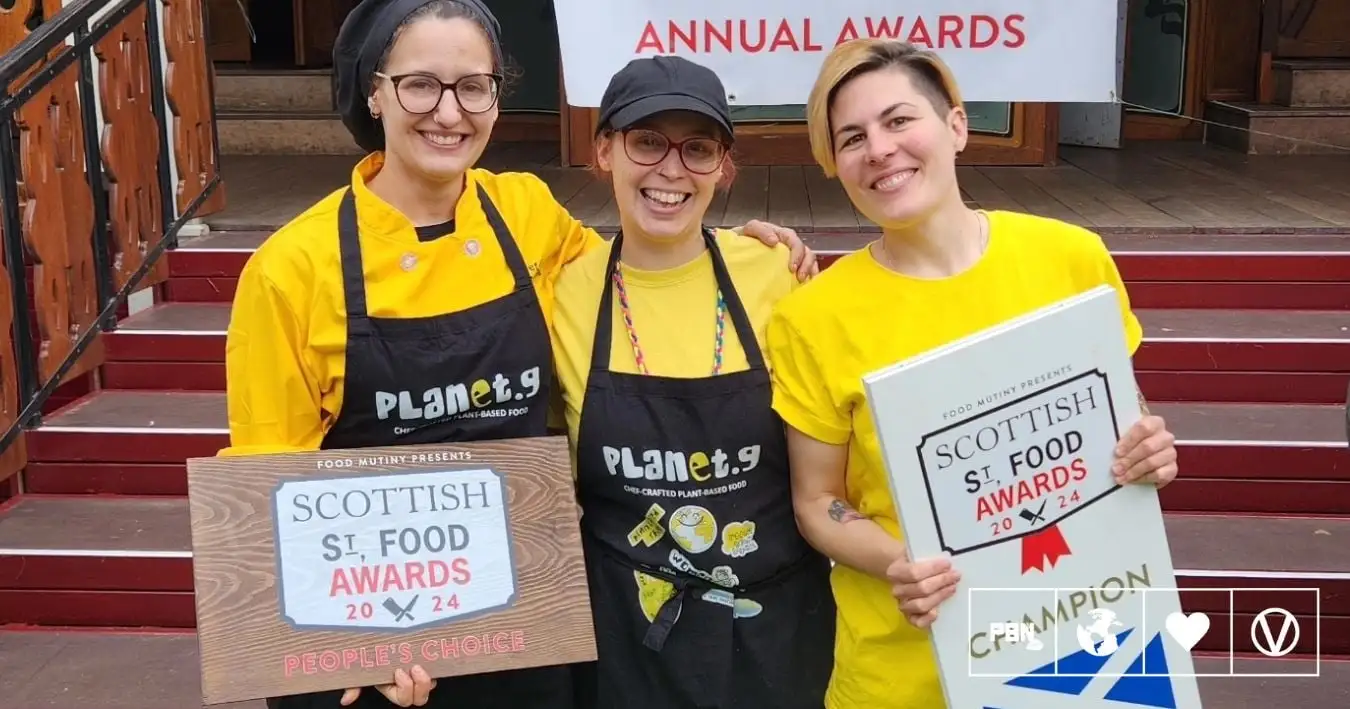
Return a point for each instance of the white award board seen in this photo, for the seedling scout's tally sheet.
(999, 448)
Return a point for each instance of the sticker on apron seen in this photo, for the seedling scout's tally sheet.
(738, 539)
(694, 528)
(741, 607)
(649, 531)
(652, 594)
(720, 597)
(721, 575)
(746, 608)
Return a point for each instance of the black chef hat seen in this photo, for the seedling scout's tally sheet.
(363, 39)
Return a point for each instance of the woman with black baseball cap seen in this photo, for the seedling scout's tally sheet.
(352, 324)
(703, 592)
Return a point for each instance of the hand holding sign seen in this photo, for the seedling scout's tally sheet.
(408, 690)
(921, 586)
(1147, 453)
(1013, 450)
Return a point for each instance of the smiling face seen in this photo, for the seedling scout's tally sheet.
(665, 201)
(441, 145)
(895, 147)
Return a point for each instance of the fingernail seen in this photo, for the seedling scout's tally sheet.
(1117, 469)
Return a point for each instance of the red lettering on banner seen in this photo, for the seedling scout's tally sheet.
(990, 26)
(918, 34)
(759, 44)
(649, 40)
(847, 33)
(882, 28)
(784, 38)
(949, 30)
(807, 44)
(724, 38)
(751, 36)
(690, 40)
(1013, 24)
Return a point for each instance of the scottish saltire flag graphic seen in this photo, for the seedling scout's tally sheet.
(1144, 683)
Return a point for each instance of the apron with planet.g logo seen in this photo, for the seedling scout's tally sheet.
(703, 591)
(478, 374)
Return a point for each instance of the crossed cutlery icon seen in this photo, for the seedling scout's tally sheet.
(400, 612)
(1033, 517)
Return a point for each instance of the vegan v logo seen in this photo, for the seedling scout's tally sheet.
(1274, 646)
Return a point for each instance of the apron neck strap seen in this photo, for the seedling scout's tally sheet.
(604, 319)
(353, 269)
(510, 250)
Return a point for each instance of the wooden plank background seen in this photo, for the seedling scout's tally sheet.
(244, 638)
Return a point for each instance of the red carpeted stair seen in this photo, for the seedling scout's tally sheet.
(1246, 353)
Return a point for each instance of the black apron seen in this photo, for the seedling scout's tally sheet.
(672, 474)
(401, 377)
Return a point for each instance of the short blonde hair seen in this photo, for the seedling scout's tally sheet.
(862, 56)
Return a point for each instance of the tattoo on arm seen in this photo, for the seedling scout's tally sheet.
(841, 512)
(1143, 404)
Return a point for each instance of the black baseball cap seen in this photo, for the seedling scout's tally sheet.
(652, 85)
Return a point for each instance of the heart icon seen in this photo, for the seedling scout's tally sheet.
(1187, 630)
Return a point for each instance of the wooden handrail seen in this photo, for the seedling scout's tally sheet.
(109, 118)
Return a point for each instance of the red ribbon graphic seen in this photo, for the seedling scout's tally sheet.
(1041, 550)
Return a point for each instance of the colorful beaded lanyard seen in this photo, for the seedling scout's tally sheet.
(632, 333)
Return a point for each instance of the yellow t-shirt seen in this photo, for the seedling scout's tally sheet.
(674, 314)
(286, 345)
(858, 316)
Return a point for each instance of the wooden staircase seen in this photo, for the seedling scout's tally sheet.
(1309, 116)
(279, 112)
(1246, 353)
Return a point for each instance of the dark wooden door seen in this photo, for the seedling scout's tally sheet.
(316, 28)
(1313, 29)
(229, 39)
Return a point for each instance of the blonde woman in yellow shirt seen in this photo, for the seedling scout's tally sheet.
(887, 120)
(703, 591)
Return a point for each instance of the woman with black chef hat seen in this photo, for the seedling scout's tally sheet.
(424, 271)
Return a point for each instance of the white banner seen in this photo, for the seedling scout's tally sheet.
(769, 53)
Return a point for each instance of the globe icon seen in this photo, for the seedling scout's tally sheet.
(1096, 638)
(693, 528)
